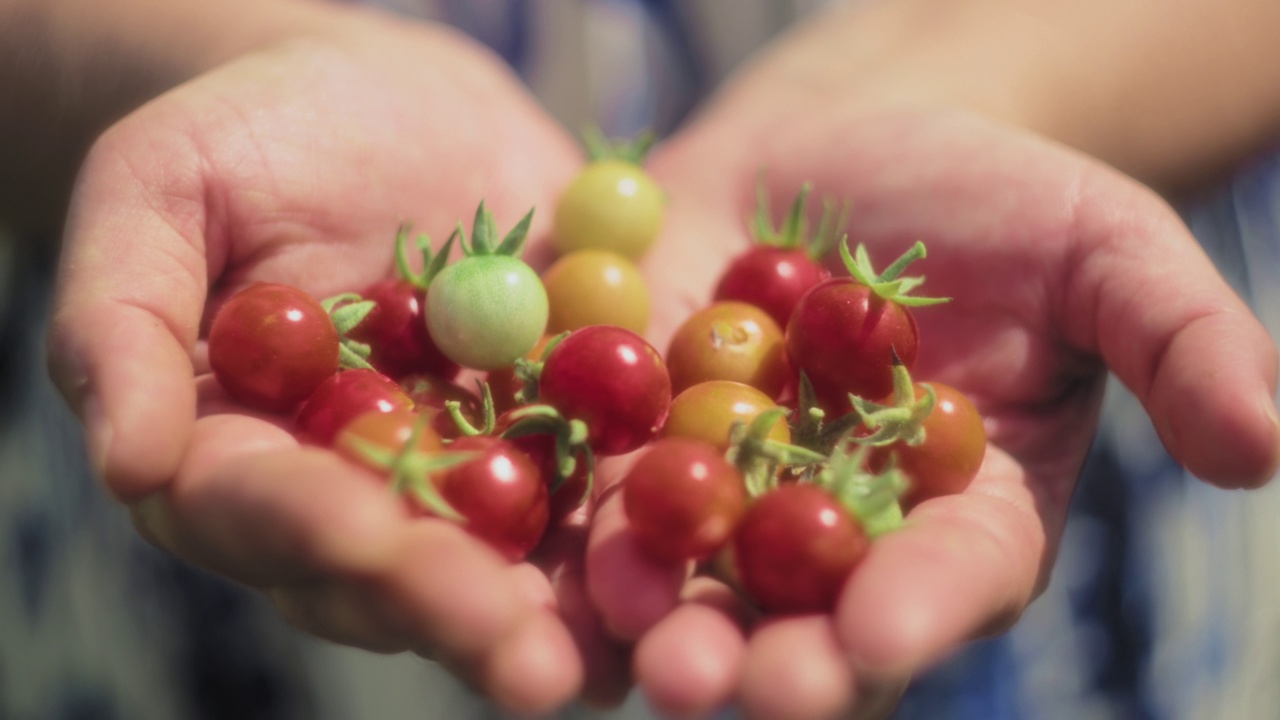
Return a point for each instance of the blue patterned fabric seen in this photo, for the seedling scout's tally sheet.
(1165, 603)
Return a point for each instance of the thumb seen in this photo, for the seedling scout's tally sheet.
(127, 308)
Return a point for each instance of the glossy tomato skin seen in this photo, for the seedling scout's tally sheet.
(611, 205)
(952, 452)
(500, 493)
(485, 311)
(843, 336)
(611, 379)
(571, 496)
(429, 395)
(683, 499)
(595, 287)
(343, 396)
(773, 279)
(271, 345)
(390, 431)
(396, 332)
(794, 549)
(729, 341)
(708, 410)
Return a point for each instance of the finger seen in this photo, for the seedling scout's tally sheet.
(961, 567)
(631, 589)
(1171, 328)
(796, 668)
(250, 504)
(131, 286)
(343, 612)
(606, 662)
(689, 663)
(536, 669)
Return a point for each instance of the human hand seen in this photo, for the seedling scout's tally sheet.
(1060, 269)
(295, 165)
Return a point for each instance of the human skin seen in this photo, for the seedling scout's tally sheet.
(295, 163)
(955, 126)
(248, 171)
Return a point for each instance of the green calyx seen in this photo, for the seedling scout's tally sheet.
(484, 235)
(888, 285)
(794, 231)
(535, 419)
(432, 261)
(809, 425)
(759, 458)
(528, 371)
(348, 310)
(632, 151)
(487, 413)
(872, 498)
(902, 419)
(570, 436)
(410, 471)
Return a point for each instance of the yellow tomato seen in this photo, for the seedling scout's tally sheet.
(595, 287)
(708, 410)
(610, 205)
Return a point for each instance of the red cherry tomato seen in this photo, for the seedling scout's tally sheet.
(572, 493)
(396, 332)
(795, 548)
(343, 396)
(429, 395)
(955, 443)
(612, 380)
(271, 345)
(843, 336)
(500, 493)
(773, 279)
(683, 499)
(729, 341)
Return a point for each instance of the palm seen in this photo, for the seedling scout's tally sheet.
(1054, 265)
(296, 166)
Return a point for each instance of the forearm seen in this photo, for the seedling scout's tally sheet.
(1170, 92)
(69, 69)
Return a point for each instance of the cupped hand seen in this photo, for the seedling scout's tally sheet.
(296, 165)
(1059, 270)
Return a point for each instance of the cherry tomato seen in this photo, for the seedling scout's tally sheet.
(572, 493)
(343, 396)
(955, 443)
(729, 341)
(396, 332)
(271, 345)
(773, 279)
(429, 395)
(844, 336)
(795, 547)
(595, 287)
(611, 379)
(504, 384)
(611, 205)
(485, 311)
(389, 431)
(500, 493)
(683, 499)
(708, 410)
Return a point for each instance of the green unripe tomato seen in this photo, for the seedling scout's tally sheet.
(485, 311)
(611, 205)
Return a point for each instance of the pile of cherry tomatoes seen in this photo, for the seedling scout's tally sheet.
(776, 437)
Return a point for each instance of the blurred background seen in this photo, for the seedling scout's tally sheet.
(1165, 602)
